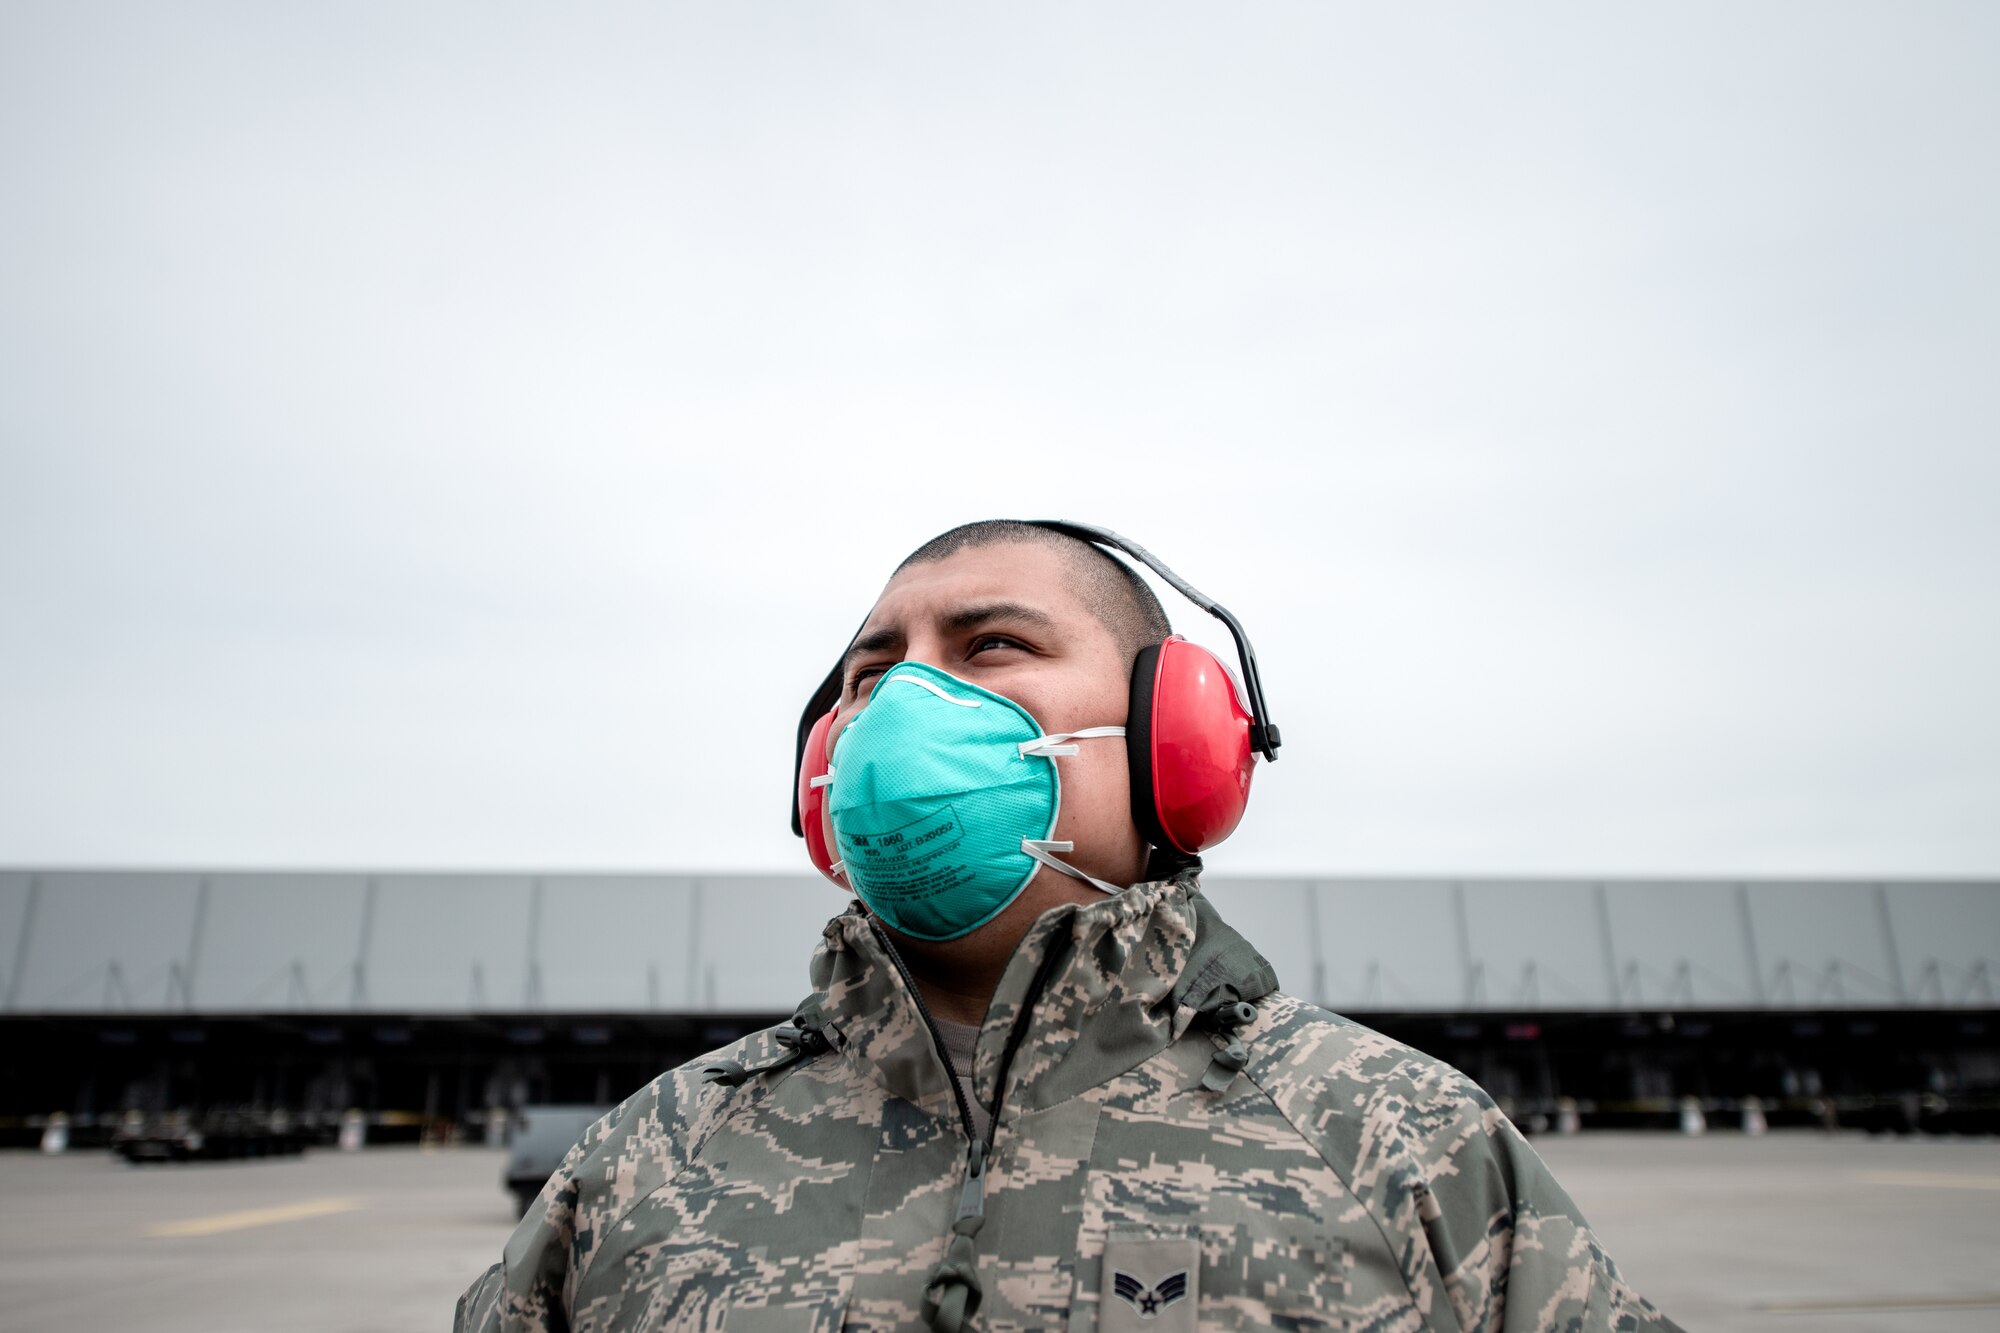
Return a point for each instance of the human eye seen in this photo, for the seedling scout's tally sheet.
(984, 642)
(863, 677)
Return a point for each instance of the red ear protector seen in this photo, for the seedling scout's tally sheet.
(1187, 746)
(1192, 734)
(808, 812)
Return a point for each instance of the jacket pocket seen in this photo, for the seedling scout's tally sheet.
(1282, 1273)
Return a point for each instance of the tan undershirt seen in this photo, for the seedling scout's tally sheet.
(961, 1040)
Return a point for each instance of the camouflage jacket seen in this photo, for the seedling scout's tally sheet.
(1177, 1146)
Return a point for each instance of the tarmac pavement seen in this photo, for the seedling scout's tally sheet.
(1790, 1233)
(1797, 1232)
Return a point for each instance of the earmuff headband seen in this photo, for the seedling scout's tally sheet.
(1263, 732)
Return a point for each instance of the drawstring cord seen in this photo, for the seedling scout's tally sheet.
(801, 1039)
(1225, 1021)
(953, 1292)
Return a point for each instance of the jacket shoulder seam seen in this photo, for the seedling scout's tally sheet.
(1344, 1171)
(694, 1131)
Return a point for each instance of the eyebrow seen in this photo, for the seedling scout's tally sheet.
(955, 621)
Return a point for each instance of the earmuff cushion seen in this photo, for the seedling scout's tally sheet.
(809, 801)
(1139, 747)
(1199, 739)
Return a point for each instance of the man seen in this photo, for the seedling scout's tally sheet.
(1051, 1091)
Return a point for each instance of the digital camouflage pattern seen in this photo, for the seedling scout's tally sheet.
(1337, 1180)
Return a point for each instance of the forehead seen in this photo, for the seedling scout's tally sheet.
(1020, 572)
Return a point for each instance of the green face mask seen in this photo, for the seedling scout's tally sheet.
(944, 796)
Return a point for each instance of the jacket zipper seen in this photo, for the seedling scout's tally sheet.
(1019, 1035)
(1015, 1038)
(937, 1036)
(945, 1308)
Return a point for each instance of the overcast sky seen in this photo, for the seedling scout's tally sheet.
(459, 435)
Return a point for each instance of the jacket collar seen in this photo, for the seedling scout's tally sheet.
(1120, 988)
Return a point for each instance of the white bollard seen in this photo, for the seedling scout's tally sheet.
(1692, 1120)
(55, 1134)
(1567, 1119)
(1753, 1116)
(353, 1131)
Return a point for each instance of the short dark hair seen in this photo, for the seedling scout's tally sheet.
(1110, 588)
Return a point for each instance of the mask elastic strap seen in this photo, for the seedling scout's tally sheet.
(1052, 745)
(826, 780)
(1039, 848)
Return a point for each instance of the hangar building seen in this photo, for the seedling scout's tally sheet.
(430, 1000)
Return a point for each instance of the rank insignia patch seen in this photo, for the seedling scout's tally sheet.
(1149, 1300)
(1151, 1283)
